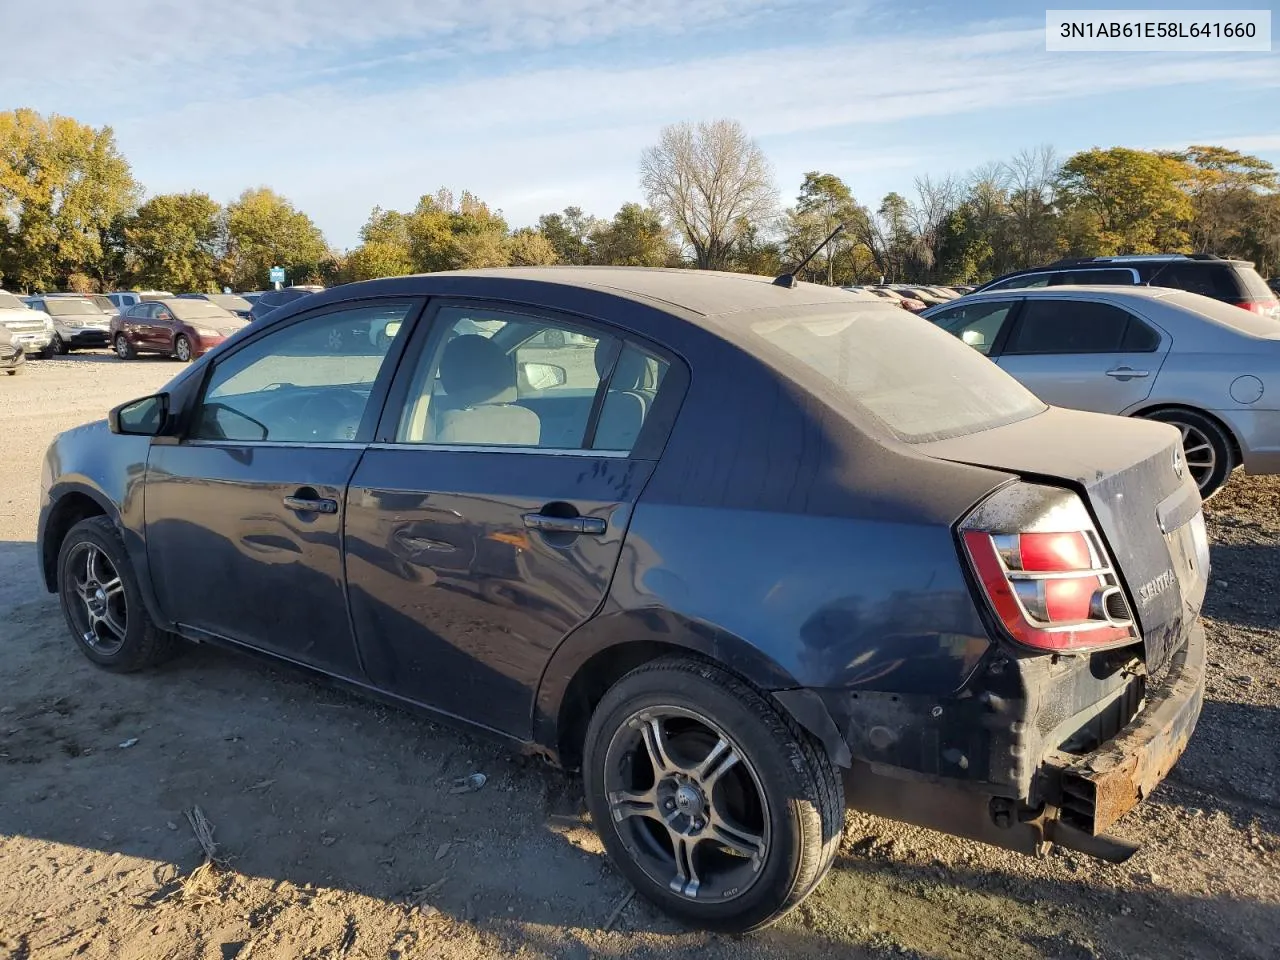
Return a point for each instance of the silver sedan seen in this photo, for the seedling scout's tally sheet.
(1209, 368)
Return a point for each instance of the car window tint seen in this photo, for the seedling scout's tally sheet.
(1068, 326)
(1208, 281)
(1021, 283)
(1139, 338)
(633, 386)
(1071, 278)
(977, 324)
(503, 379)
(309, 381)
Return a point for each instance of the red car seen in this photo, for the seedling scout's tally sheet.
(177, 327)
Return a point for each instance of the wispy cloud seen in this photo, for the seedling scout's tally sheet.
(531, 103)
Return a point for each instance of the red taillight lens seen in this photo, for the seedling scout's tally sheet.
(1264, 307)
(1052, 589)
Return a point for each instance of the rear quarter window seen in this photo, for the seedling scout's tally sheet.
(1208, 280)
(917, 380)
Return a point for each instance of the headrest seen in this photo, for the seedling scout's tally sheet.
(632, 371)
(475, 370)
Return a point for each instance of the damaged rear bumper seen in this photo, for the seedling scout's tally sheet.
(1070, 799)
(1093, 791)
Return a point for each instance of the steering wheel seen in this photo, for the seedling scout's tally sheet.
(329, 416)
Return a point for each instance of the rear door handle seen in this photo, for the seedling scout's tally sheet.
(550, 524)
(310, 505)
(1127, 373)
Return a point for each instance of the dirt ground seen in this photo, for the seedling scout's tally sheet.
(343, 835)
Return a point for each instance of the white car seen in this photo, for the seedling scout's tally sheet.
(32, 330)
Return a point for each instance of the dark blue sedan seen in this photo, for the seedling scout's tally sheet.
(743, 553)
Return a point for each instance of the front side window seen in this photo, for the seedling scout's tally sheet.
(978, 324)
(308, 382)
(492, 378)
(1068, 326)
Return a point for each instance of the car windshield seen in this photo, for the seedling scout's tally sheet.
(153, 296)
(9, 302)
(104, 303)
(58, 307)
(919, 381)
(198, 309)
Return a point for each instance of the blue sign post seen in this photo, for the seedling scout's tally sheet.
(277, 275)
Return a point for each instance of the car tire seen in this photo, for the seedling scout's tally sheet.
(1206, 448)
(124, 349)
(101, 601)
(58, 347)
(50, 349)
(182, 349)
(735, 768)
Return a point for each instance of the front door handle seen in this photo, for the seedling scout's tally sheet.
(550, 524)
(1127, 373)
(311, 504)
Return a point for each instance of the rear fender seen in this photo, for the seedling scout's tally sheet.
(657, 632)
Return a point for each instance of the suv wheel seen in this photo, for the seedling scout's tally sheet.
(102, 603)
(1205, 447)
(710, 800)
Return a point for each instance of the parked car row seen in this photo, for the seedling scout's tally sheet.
(1205, 366)
(131, 321)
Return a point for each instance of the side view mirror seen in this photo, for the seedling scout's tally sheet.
(145, 417)
(543, 376)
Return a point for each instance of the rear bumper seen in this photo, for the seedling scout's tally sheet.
(1258, 434)
(1073, 799)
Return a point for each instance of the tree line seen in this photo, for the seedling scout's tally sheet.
(72, 216)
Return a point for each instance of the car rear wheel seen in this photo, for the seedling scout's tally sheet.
(124, 349)
(182, 349)
(1205, 447)
(711, 801)
(58, 347)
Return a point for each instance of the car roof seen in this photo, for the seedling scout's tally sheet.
(693, 293)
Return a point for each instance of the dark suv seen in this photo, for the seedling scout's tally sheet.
(1231, 281)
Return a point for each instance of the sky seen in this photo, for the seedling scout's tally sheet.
(534, 105)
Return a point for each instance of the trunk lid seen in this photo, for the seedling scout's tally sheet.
(1133, 478)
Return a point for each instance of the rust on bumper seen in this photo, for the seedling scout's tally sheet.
(1095, 790)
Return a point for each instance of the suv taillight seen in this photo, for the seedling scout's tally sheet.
(1045, 571)
(1265, 307)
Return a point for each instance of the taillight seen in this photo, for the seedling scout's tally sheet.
(1045, 571)
(1265, 307)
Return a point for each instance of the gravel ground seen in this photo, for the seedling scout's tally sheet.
(343, 836)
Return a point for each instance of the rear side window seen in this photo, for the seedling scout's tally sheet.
(1068, 326)
(919, 381)
(1072, 278)
(1217, 281)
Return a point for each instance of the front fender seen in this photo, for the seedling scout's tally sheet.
(109, 470)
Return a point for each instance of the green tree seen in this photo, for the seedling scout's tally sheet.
(265, 230)
(62, 184)
(385, 249)
(1226, 188)
(456, 234)
(1128, 201)
(823, 202)
(174, 242)
(528, 247)
(635, 237)
(569, 234)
